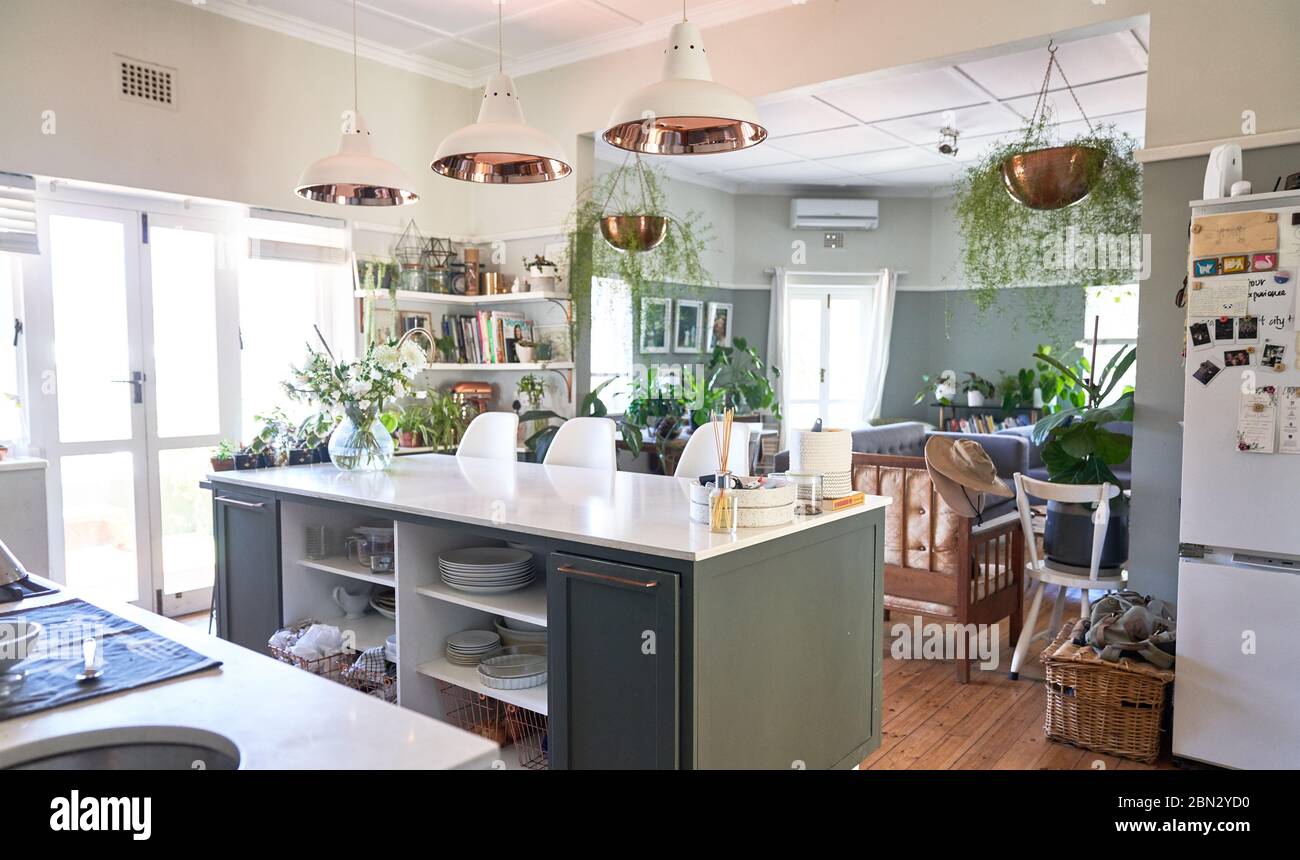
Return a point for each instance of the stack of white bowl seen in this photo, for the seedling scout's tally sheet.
(515, 632)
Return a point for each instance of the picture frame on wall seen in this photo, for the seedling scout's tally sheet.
(719, 324)
(688, 326)
(656, 324)
(415, 319)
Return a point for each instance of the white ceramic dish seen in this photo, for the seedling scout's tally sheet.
(489, 589)
(490, 556)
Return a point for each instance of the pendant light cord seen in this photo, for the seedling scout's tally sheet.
(501, 66)
(355, 98)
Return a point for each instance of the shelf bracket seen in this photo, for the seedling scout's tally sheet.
(567, 377)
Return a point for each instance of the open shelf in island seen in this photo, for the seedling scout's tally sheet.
(526, 604)
(533, 698)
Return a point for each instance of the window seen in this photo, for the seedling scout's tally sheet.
(11, 416)
(611, 341)
(1113, 310)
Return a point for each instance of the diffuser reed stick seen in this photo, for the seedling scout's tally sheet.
(722, 502)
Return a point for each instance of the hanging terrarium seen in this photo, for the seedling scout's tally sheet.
(632, 231)
(409, 252)
(1057, 176)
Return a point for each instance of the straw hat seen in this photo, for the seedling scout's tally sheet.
(962, 472)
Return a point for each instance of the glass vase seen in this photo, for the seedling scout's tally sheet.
(361, 449)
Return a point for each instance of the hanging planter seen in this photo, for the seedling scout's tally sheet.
(632, 232)
(1042, 211)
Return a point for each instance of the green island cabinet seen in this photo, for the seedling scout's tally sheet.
(667, 646)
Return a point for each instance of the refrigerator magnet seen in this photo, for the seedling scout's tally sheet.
(1281, 277)
(1263, 262)
(1207, 372)
(1235, 264)
(1208, 266)
(1200, 334)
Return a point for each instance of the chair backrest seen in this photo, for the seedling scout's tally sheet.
(700, 456)
(491, 436)
(1098, 494)
(584, 442)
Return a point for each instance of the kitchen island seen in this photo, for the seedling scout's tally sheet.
(272, 715)
(669, 645)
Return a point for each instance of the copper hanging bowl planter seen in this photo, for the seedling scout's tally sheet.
(634, 232)
(1052, 178)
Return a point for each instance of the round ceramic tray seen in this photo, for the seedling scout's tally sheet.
(513, 671)
(774, 496)
(749, 518)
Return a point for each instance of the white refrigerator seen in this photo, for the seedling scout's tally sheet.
(1237, 678)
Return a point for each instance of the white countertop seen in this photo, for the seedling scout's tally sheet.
(18, 464)
(621, 510)
(278, 716)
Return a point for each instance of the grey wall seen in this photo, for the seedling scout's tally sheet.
(1157, 437)
(938, 330)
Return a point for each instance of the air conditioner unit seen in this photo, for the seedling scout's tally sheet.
(815, 213)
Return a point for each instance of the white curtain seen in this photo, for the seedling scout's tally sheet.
(879, 325)
(778, 342)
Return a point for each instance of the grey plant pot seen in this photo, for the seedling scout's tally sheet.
(1067, 536)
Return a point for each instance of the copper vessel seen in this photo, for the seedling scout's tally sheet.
(634, 232)
(1052, 178)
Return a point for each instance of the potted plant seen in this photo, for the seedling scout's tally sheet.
(977, 389)
(412, 426)
(1027, 207)
(445, 421)
(741, 375)
(591, 407)
(1079, 448)
(942, 386)
(358, 390)
(247, 458)
(223, 456)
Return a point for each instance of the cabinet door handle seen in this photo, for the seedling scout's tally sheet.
(621, 580)
(226, 500)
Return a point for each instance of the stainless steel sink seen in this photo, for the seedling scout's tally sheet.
(129, 748)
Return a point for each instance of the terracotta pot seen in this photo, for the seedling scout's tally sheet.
(1052, 178)
(221, 465)
(634, 232)
(407, 440)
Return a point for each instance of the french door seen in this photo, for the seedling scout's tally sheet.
(139, 374)
(828, 335)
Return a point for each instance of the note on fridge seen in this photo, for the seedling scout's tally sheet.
(1257, 420)
(1290, 419)
(1219, 297)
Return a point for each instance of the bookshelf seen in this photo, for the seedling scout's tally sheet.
(995, 411)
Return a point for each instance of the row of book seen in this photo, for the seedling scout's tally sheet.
(984, 423)
(487, 337)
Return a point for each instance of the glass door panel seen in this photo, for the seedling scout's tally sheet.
(182, 274)
(99, 525)
(186, 528)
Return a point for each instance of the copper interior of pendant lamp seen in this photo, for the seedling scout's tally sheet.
(501, 167)
(685, 135)
(352, 194)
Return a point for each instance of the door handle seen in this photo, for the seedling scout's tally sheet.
(620, 580)
(823, 375)
(226, 500)
(137, 385)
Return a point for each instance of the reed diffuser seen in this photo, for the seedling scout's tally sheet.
(724, 507)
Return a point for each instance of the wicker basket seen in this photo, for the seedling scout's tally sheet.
(1104, 706)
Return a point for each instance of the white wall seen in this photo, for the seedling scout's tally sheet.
(254, 107)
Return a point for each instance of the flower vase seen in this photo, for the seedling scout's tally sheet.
(367, 448)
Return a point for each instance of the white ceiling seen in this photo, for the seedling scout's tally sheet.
(883, 132)
(456, 40)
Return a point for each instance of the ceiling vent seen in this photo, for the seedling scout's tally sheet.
(145, 83)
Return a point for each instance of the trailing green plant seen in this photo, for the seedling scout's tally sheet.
(225, 450)
(675, 265)
(929, 382)
(1007, 244)
(1077, 447)
(742, 377)
(532, 388)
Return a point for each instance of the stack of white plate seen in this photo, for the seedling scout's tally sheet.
(486, 570)
(469, 647)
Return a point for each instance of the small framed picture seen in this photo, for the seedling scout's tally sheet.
(415, 319)
(656, 323)
(1236, 358)
(1248, 330)
(1200, 335)
(719, 324)
(1207, 372)
(1225, 330)
(1235, 264)
(1206, 267)
(1263, 262)
(688, 326)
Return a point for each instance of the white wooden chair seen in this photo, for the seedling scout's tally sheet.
(584, 442)
(700, 456)
(1042, 572)
(491, 436)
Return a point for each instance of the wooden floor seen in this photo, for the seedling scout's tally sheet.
(931, 722)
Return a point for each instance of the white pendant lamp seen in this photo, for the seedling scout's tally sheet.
(500, 148)
(356, 176)
(685, 113)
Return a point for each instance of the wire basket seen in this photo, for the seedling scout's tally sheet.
(1103, 707)
(330, 667)
(528, 732)
(381, 685)
(474, 712)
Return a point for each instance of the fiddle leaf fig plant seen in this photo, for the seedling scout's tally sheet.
(1077, 447)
